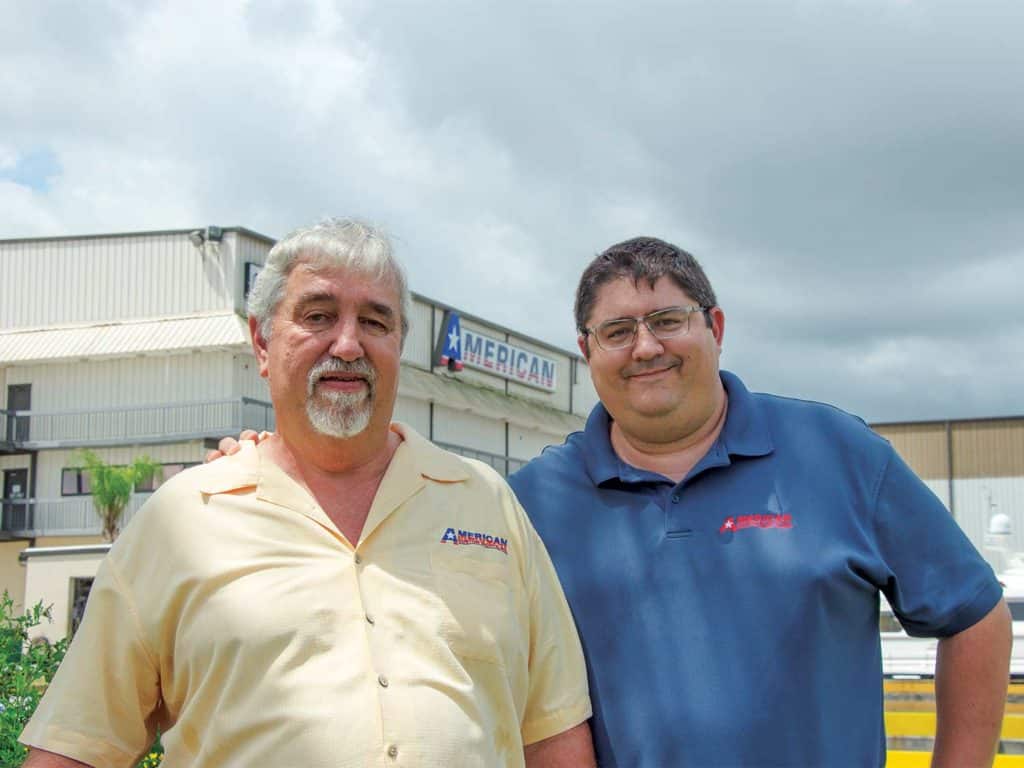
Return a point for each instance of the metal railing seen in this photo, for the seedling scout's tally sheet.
(75, 515)
(166, 422)
(506, 465)
(71, 516)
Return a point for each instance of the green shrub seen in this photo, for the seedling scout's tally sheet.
(25, 670)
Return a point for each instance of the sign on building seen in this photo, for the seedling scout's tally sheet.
(458, 347)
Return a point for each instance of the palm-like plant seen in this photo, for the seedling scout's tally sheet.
(112, 486)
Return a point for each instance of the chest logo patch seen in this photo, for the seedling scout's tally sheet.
(739, 522)
(459, 538)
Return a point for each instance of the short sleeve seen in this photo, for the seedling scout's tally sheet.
(557, 699)
(100, 706)
(938, 584)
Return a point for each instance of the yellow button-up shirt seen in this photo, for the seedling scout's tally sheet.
(234, 615)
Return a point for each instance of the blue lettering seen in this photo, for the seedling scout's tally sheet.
(534, 370)
(548, 373)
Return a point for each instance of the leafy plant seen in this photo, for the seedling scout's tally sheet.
(112, 486)
(26, 668)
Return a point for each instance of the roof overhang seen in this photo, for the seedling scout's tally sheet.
(222, 331)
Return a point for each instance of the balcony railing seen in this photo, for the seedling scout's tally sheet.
(504, 464)
(32, 430)
(75, 515)
(72, 516)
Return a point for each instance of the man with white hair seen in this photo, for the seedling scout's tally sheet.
(300, 603)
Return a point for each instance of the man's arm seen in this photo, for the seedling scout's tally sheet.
(40, 758)
(972, 673)
(569, 749)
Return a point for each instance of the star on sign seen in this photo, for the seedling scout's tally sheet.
(453, 340)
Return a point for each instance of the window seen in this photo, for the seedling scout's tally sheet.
(165, 473)
(1016, 610)
(74, 481)
(80, 588)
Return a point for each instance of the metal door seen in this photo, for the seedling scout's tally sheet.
(19, 398)
(15, 501)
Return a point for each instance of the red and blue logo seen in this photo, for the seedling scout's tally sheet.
(461, 538)
(739, 522)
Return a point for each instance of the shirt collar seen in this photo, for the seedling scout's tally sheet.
(426, 459)
(745, 433)
(416, 459)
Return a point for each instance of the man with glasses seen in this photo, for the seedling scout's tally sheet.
(723, 551)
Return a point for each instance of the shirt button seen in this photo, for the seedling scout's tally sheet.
(358, 558)
(370, 619)
(383, 681)
(675, 499)
(392, 751)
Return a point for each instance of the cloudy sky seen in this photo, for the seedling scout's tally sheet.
(849, 172)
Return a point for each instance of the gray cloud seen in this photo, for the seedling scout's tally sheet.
(848, 170)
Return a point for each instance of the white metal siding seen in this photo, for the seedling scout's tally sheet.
(123, 339)
(469, 430)
(977, 499)
(116, 278)
(51, 462)
(13, 461)
(246, 250)
(526, 444)
(415, 413)
(419, 347)
(248, 382)
(584, 396)
(127, 381)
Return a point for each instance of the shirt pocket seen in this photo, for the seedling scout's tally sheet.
(479, 622)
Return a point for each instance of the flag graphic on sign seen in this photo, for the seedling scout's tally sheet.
(450, 342)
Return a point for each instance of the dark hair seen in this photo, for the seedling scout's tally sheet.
(643, 258)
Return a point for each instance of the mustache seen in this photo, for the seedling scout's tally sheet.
(331, 365)
(646, 366)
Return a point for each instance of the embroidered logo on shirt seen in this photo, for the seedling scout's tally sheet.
(459, 537)
(740, 522)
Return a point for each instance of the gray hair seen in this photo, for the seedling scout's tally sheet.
(331, 243)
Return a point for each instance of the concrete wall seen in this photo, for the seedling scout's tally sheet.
(49, 579)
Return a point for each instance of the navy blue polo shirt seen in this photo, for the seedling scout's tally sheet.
(731, 619)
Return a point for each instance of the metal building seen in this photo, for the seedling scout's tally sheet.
(976, 466)
(137, 343)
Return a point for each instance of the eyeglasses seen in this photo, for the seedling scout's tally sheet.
(663, 324)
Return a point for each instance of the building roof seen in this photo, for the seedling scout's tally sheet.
(463, 396)
(137, 337)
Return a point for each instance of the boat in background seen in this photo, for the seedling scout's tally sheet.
(906, 657)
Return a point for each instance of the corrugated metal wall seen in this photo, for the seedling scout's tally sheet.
(127, 381)
(922, 446)
(469, 430)
(987, 471)
(90, 280)
(248, 382)
(52, 462)
(419, 346)
(415, 413)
